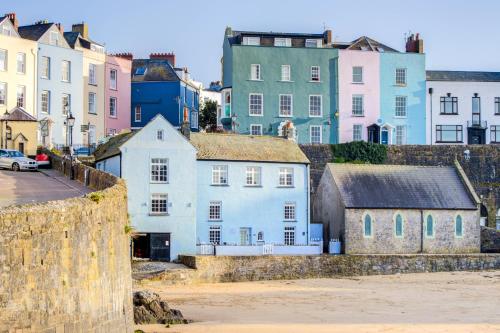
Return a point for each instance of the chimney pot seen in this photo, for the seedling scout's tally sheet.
(169, 56)
(13, 18)
(81, 28)
(328, 37)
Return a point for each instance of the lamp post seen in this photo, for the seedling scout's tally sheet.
(5, 115)
(70, 122)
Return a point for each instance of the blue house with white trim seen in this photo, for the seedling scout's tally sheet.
(158, 87)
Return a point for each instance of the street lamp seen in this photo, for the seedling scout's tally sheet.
(5, 116)
(70, 122)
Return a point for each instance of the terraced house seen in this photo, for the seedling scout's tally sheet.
(324, 91)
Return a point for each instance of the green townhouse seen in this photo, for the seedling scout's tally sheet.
(280, 84)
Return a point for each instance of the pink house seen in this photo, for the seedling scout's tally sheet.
(117, 102)
(359, 93)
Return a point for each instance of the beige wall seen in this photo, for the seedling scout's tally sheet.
(26, 128)
(15, 45)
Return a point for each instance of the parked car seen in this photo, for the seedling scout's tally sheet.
(42, 159)
(15, 160)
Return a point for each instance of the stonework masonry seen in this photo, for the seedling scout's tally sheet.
(65, 265)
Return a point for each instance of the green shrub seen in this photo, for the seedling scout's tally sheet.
(359, 152)
(96, 196)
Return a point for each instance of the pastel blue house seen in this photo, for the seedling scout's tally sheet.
(160, 88)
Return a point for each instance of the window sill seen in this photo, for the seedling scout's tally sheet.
(357, 83)
(222, 185)
(285, 186)
(448, 114)
(21, 73)
(93, 113)
(289, 221)
(252, 186)
(449, 142)
(255, 80)
(311, 81)
(219, 220)
(158, 182)
(113, 117)
(400, 85)
(400, 117)
(285, 81)
(285, 116)
(64, 81)
(256, 115)
(44, 78)
(114, 89)
(357, 115)
(159, 214)
(320, 116)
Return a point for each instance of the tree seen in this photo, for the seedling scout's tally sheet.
(208, 115)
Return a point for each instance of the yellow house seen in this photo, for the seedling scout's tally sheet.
(94, 60)
(18, 62)
(18, 130)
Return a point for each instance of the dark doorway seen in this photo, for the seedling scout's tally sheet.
(374, 133)
(160, 247)
(141, 246)
(476, 136)
(21, 147)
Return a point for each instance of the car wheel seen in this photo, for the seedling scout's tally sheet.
(15, 167)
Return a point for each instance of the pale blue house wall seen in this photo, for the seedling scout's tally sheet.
(414, 90)
(111, 165)
(258, 208)
(57, 88)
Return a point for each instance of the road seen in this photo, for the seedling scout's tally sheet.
(28, 187)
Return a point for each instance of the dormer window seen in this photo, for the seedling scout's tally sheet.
(140, 71)
(54, 38)
(316, 43)
(251, 41)
(283, 42)
(160, 135)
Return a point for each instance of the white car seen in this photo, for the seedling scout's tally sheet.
(16, 161)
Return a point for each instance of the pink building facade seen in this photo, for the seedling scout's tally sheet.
(118, 100)
(359, 93)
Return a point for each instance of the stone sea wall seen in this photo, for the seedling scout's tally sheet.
(255, 268)
(65, 265)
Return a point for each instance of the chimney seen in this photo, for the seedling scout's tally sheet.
(414, 44)
(60, 27)
(170, 57)
(289, 131)
(12, 17)
(185, 127)
(128, 56)
(328, 37)
(82, 28)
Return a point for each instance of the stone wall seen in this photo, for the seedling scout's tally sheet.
(65, 265)
(234, 269)
(490, 240)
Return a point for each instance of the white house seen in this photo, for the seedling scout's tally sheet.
(463, 107)
(159, 167)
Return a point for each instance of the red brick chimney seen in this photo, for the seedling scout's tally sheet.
(60, 27)
(128, 56)
(12, 17)
(414, 44)
(328, 37)
(170, 57)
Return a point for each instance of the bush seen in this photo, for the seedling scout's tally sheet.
(359, 152)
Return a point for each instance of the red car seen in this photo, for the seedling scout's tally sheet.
(42, 159)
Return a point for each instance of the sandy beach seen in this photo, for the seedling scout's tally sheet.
(437, 302)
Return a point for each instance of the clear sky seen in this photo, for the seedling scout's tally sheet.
(458, 34)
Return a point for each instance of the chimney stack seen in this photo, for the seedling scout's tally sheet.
(60, 27)
(328, 37)
(12, 17)
(185, 127)
(414, 44)
(81, 28)
(170, 57)
(128, 56)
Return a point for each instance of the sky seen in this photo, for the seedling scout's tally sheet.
(457, 34)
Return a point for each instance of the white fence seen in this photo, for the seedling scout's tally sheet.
(259, 250)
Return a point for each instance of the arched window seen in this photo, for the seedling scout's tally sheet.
(398, 225)
(459, 228)
(260, 236)
(429, 226)
(367, 225)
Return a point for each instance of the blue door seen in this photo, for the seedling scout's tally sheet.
(384, 137)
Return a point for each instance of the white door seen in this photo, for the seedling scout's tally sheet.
(245, 236)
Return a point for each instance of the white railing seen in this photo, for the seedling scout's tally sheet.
(205, 249)
(259, 249)
(267, 249)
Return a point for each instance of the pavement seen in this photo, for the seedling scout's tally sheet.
(29, 187)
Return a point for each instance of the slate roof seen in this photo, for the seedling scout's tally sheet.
(401, 187)
(112, 147)
(236, 147)
(71, 37)
(18, 114)
(35, 31)
(463, 76)
(364, 43)
(155, 70)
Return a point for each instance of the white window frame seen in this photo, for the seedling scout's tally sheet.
(158, 197)
(21, 63)
(113, 82)
(92, 103)
(354, 134)
(137, 113)
(3, 93)
(313, 43)
(255, 126)
(282, 42)
(45, 101)
(54, 38)
(286, 177)
(311, 97)
(253, 176)
(255, 73)
(290, 212)
(92, 74)
(21, 102)
(215, 210)
(288, 113)
(113, 107)
(355, 112)
(313, 140)
(400, 135)
(286, 73)
(400, 76)
(67, 98)
(159, 170)
(289, 235)
(315, 74)
(252, 113)
(5, 58)
(401, 106)
(220, 175)
(251, 40)
(66, 71)
(357, 77)
(214, 234)
(45, 68)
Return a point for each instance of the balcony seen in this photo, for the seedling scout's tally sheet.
(477, 123)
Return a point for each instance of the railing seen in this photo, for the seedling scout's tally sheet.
(259, 249)
(205, 249)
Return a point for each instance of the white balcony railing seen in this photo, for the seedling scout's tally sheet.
(259, 249)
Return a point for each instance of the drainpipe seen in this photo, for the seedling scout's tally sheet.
(430, 100)
(308, 202)
(421, 231)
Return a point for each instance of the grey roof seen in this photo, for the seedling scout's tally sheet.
(464, 76)
(367, 44)
(18, 114)
(112, 146)
(35, 31)
(401, 187)
(155, 70)
(71, 37)
(277, 34)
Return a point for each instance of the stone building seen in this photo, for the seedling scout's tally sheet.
(380, 209)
